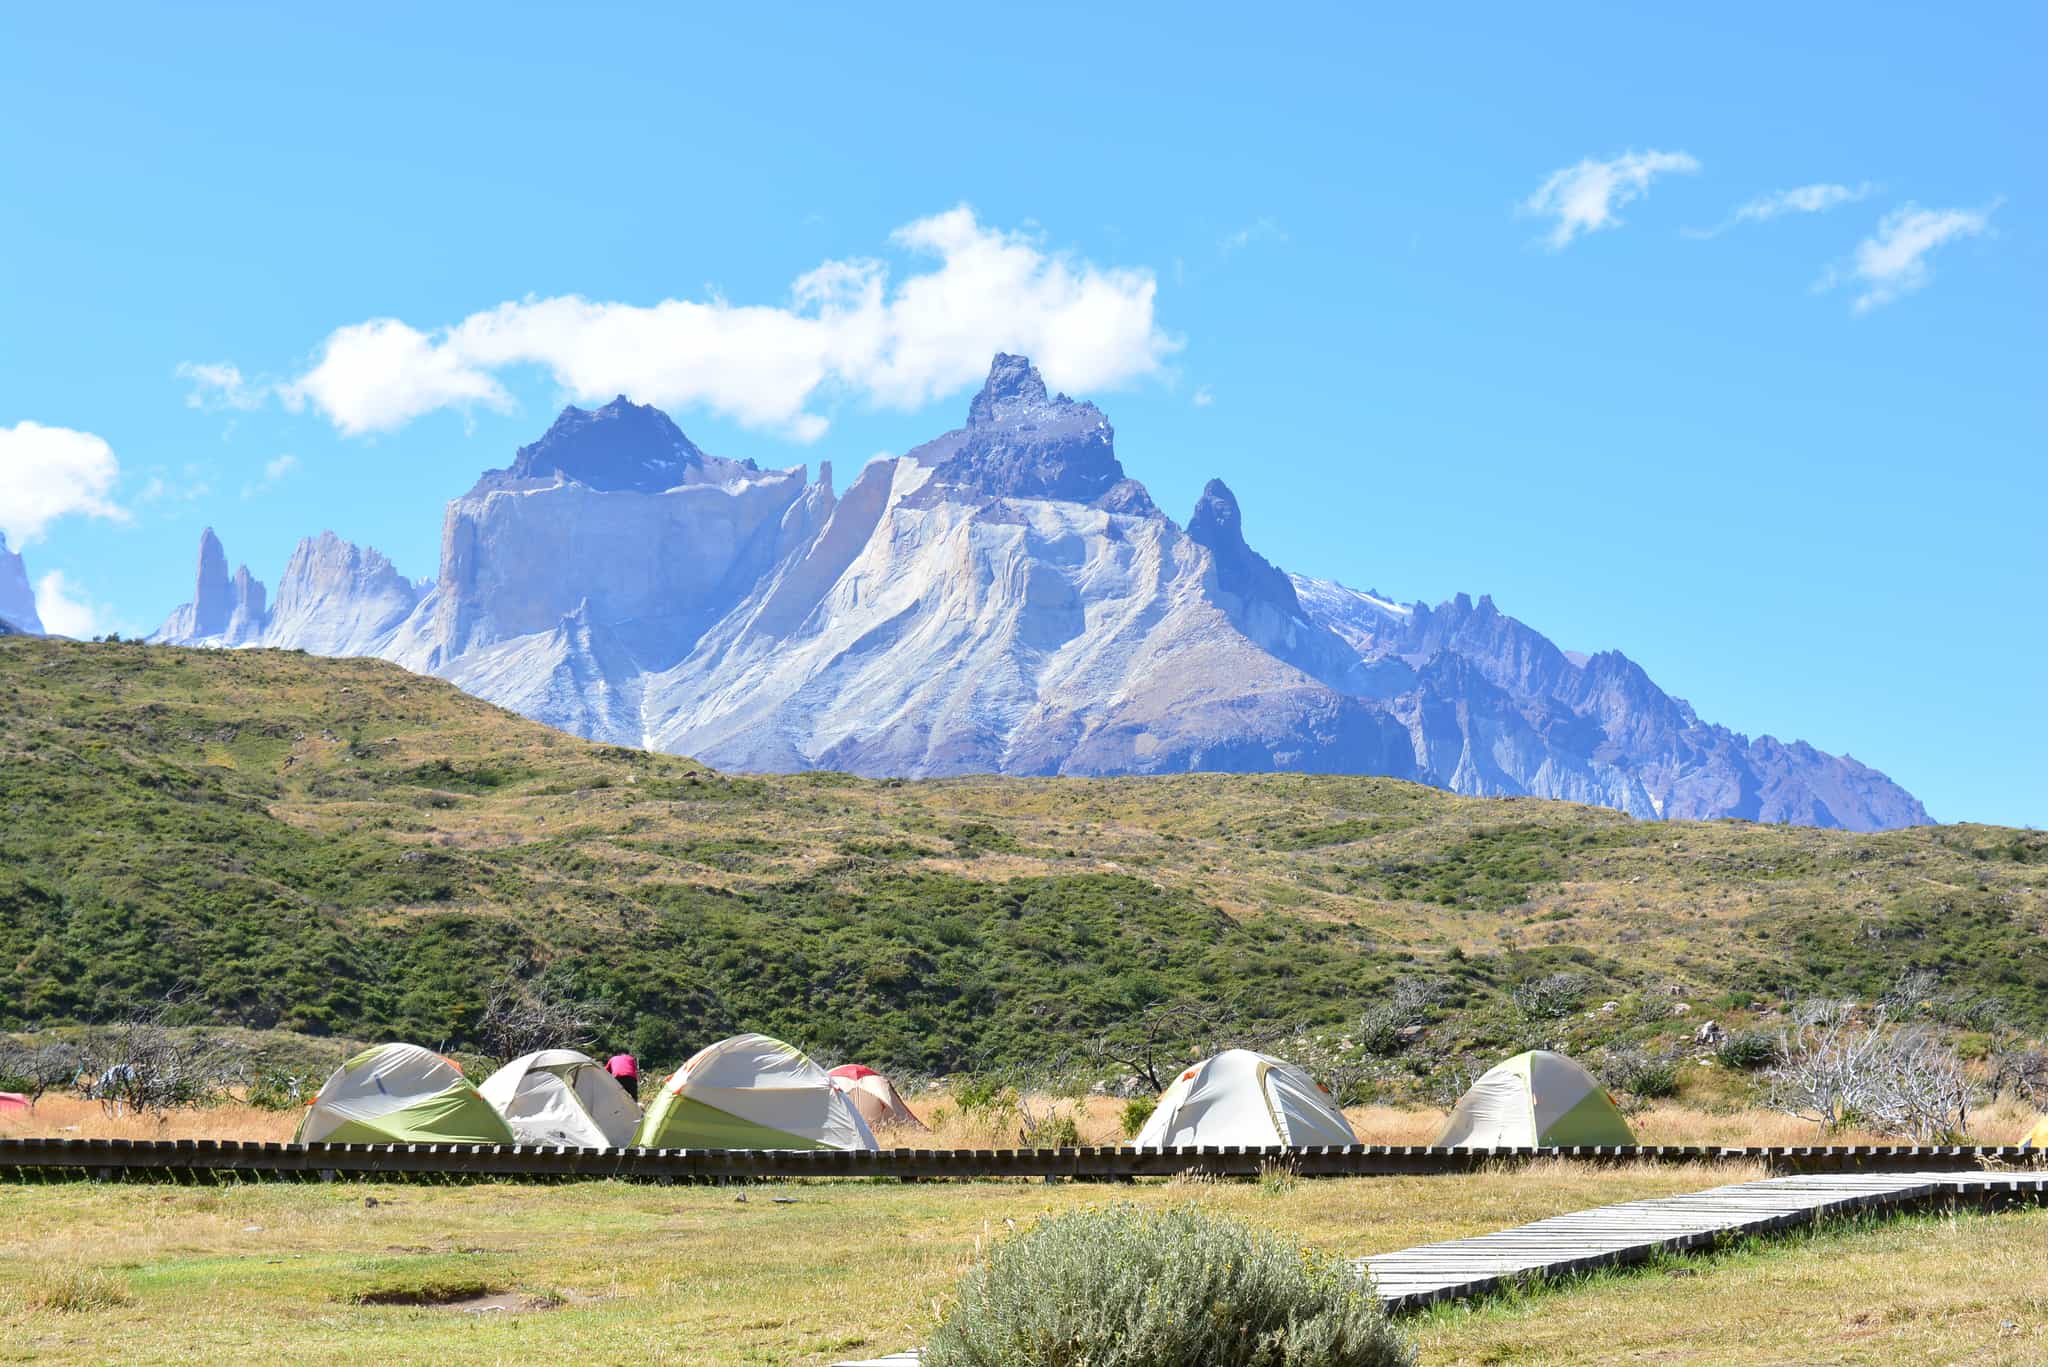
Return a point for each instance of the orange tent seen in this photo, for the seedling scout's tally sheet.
(875, 1097)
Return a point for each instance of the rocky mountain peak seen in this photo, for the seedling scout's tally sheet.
(17, 596)
(621, 446)
(1020, 443)
(1218, 525)
(1013, 382)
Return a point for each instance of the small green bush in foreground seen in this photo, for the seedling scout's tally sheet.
(1129, 1288)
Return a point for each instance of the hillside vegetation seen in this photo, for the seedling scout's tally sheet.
(339, 847)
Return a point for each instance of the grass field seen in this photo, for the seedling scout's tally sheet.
(805, 1273)
(337, 847)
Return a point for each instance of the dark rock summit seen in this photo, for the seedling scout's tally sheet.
(621, 446)
(1018, 443)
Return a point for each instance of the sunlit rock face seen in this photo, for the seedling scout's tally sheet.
(1003, 598)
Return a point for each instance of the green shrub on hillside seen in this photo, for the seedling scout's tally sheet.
(1179, 1288)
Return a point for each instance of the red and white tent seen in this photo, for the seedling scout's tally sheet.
(875, 1097)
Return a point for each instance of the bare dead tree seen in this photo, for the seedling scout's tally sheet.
(1837, 1068)
(1164, 1037)
(149, 1067)
(38, 1069)
(1925, 1094)
(2021, 1073)
(523, 1015)
(1828, 1064)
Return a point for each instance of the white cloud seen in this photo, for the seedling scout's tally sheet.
(65, 610)
(217, 385)
(1803, 199)
(1892, 261)
(274, 472)
(1203, 398)
(1583, 198)
(847, 327)
(1260, 229)
(52, 472)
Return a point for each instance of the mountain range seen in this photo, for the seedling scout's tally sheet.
(1003, 598)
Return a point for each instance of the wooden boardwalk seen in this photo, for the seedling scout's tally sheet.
(1633, 1231)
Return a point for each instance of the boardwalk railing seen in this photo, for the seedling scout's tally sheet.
(203, 1159)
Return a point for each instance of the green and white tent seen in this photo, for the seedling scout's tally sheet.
(400, 1094)
(559, 1096)
(1535, 1100)
(752, 1092)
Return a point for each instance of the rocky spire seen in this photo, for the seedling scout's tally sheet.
(1013, 383)
(1218, 525)
(213, 597)
(17, 596)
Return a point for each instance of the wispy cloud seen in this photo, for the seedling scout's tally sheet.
(848, 327)
(1803, 199)
(274, 472)
(52, 472)
(1203, 398)
(1260, 229)
(218, 385)
(1892, 262)
(1583, 198)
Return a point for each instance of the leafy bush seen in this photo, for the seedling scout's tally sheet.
(1128, 1288)
(281, 1089)
(1640, 1073)
(1137, 1111)
(1551, 997)
(1747, 1051)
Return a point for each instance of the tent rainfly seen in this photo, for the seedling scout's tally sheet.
(1239, 1097)
(2039, 1138)
(559, 1096)
(400, 1094)
(1535, 1100)
(752, 1092)
(875, 1097)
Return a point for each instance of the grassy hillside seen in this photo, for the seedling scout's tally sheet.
(285, 842)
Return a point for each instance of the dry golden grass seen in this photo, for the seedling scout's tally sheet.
(1098, 1119)
(67, 1117)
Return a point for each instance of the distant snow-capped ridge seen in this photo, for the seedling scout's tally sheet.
(1002, 599)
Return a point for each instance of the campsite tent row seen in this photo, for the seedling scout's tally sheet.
(753, 1092)
(748, 1092)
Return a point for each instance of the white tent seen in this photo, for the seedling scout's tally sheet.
(1535, 1100)
(559, 1096)
(875, 1097)
(1239, 1097)
(752, 1092)
(400, 1094)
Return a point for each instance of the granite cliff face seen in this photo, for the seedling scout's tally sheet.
(1003, 598)
(17, 595)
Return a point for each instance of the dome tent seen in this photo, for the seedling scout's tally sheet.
(875, 1097)
(1239, 1097)
(752, 1092)
(559, 1096)
(2039, 1137)
(400, 1094)
(1535, 1100)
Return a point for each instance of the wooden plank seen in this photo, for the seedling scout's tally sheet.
(1632, 1231)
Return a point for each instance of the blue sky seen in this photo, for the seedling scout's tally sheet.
(1451, 304)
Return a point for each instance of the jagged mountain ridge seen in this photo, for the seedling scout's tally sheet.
(1002, 599)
